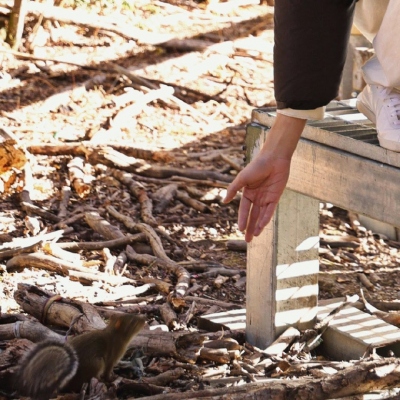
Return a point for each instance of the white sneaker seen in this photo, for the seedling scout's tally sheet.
(381, 105)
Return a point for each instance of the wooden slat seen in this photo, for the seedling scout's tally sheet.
(346, 180)
(282, 263)
(366, 148)
(336, 166)
(353, 333)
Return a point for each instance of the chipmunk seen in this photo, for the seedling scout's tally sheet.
(53, 365)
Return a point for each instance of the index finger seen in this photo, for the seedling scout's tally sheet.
(232, 189)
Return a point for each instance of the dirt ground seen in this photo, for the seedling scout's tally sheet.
(174, 104)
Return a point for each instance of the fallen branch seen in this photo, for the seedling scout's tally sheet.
(183, 276)
(189, 201)
(56, 310)
(358, 379)
(138, 190)
(62, 267)
(86, 19)
(122, 241)
(76, 177)
(103, 227)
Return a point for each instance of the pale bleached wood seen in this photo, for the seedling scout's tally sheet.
(348, 181)
(349, 173)
(282, 263)
(336, 140)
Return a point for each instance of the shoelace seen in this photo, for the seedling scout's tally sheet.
(395, 105)
(393, 102)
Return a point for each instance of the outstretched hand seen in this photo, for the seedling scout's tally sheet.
(264, 179)
(263, 182)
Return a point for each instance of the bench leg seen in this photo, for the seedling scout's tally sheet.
(282, 263)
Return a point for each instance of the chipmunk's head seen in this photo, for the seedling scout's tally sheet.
(126, 324)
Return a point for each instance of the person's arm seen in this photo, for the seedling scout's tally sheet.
(311, 38)
(265, 177)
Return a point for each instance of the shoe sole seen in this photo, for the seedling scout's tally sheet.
(366, 111)
(387, 144)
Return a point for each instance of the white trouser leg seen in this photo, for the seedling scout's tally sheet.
(379, 22)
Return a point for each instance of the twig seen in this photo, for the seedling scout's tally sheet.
(123, 241)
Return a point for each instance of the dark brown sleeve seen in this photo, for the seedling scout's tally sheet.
(311, 39)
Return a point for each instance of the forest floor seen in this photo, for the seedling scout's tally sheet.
(111, 124)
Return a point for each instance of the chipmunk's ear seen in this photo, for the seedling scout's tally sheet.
(117, 323)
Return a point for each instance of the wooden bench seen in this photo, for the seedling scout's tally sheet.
(338, 160)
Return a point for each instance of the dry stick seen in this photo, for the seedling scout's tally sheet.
(77, 176)
(55, 250)
(212, 302)
(103, 227)
(322, 326)
(110, 157)
(161, 286)
(165, 378)
(365, 281)
(138, 190)
(169, 316)
(82, 149)
(183, 277)
(32, 330)
(282, 342)
(164, 196)
(157, 247)
(28, 56)
(109, 261)
(230, 162)
(237, 245)
(166, 95)
(357, 379)
(122, 241)
(50, 263)
(14, 252)
(120, 263)
(70, 220)
(189, 201)
(150, 233)
(65, 196)
(30, 208)
(389, 317)
(220, 356)
(20, 243)
(214, 154)
(204, 182)
(109, 231)
(189, 314)
(221, 271)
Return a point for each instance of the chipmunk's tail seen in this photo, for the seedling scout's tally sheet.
(48, 367)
